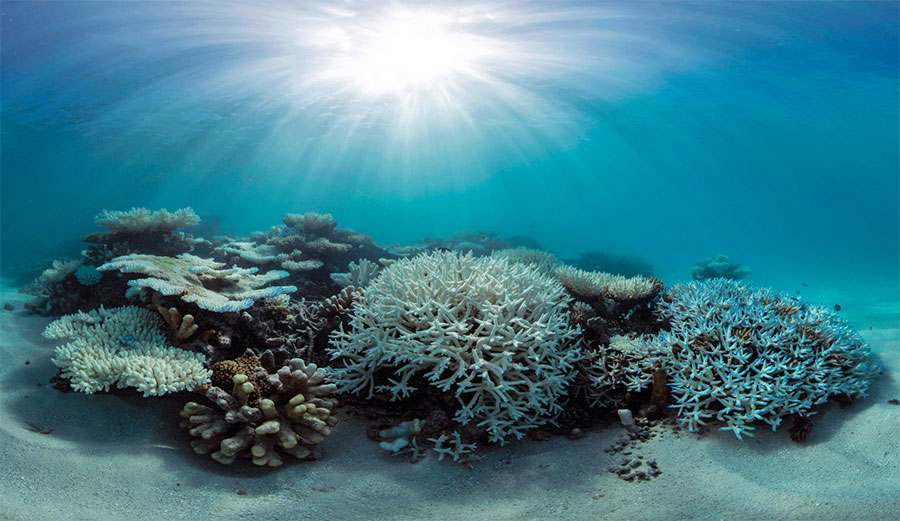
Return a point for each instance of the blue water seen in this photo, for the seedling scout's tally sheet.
(767, 131)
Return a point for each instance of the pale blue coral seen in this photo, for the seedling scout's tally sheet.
(88, 275)
(740, 354)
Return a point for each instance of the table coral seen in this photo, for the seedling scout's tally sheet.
(293, 415)
(204, 282)
(494, 336)
(739, 354)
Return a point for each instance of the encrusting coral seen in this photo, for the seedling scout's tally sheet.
(204, 282)
(123, 347)
(739, 354)
(292, 417)
(495, 336)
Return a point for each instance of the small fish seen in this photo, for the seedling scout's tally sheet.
(837, 307)
(34, 428)
(798, 291)
(805, 285)
(161, 446)
(894, 401)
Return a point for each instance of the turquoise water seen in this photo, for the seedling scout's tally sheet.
(767, 131)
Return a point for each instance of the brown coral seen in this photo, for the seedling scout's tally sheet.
(293, 417)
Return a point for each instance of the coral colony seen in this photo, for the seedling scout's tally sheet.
(458, 343)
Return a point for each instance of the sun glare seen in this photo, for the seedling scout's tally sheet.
(407, 52)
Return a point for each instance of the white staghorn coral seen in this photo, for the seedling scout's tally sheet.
(123, 347)
(495, 335)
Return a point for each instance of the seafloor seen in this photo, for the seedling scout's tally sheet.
(106, 457)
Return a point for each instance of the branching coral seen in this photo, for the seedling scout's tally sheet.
(359, 275)
(740, 354)
(292, 416)
(495, 336)
(123, 347)
(205, 282)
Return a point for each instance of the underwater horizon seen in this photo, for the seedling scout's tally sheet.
(574, 260)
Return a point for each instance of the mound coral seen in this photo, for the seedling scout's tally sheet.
(740, 354)
(291, 415)
(204, 282)
(123, 347)
(495, 336)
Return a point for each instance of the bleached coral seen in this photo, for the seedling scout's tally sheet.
(123, 347)
(359, 275)
(544, 261)
(590, 284)
(142, 220)
(291, 415)
(59, 270)
(495, 336)
(739, 354)
(311, 223)
(204, 282)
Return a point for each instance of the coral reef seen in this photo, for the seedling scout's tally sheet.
(141, 231)
(739, 354)
(204, 282)
(293, 416)
(718, 267)
(543, 261)
(123, 347)
(588, 286)
(495, 336)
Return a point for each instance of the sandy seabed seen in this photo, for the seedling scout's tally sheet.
(114, 458)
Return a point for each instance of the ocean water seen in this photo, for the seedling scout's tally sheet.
(669, 132)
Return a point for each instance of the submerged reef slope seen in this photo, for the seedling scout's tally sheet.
(740, 354)
(494, 336)
(123, 347)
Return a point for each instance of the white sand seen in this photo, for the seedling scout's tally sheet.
(114, 458)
